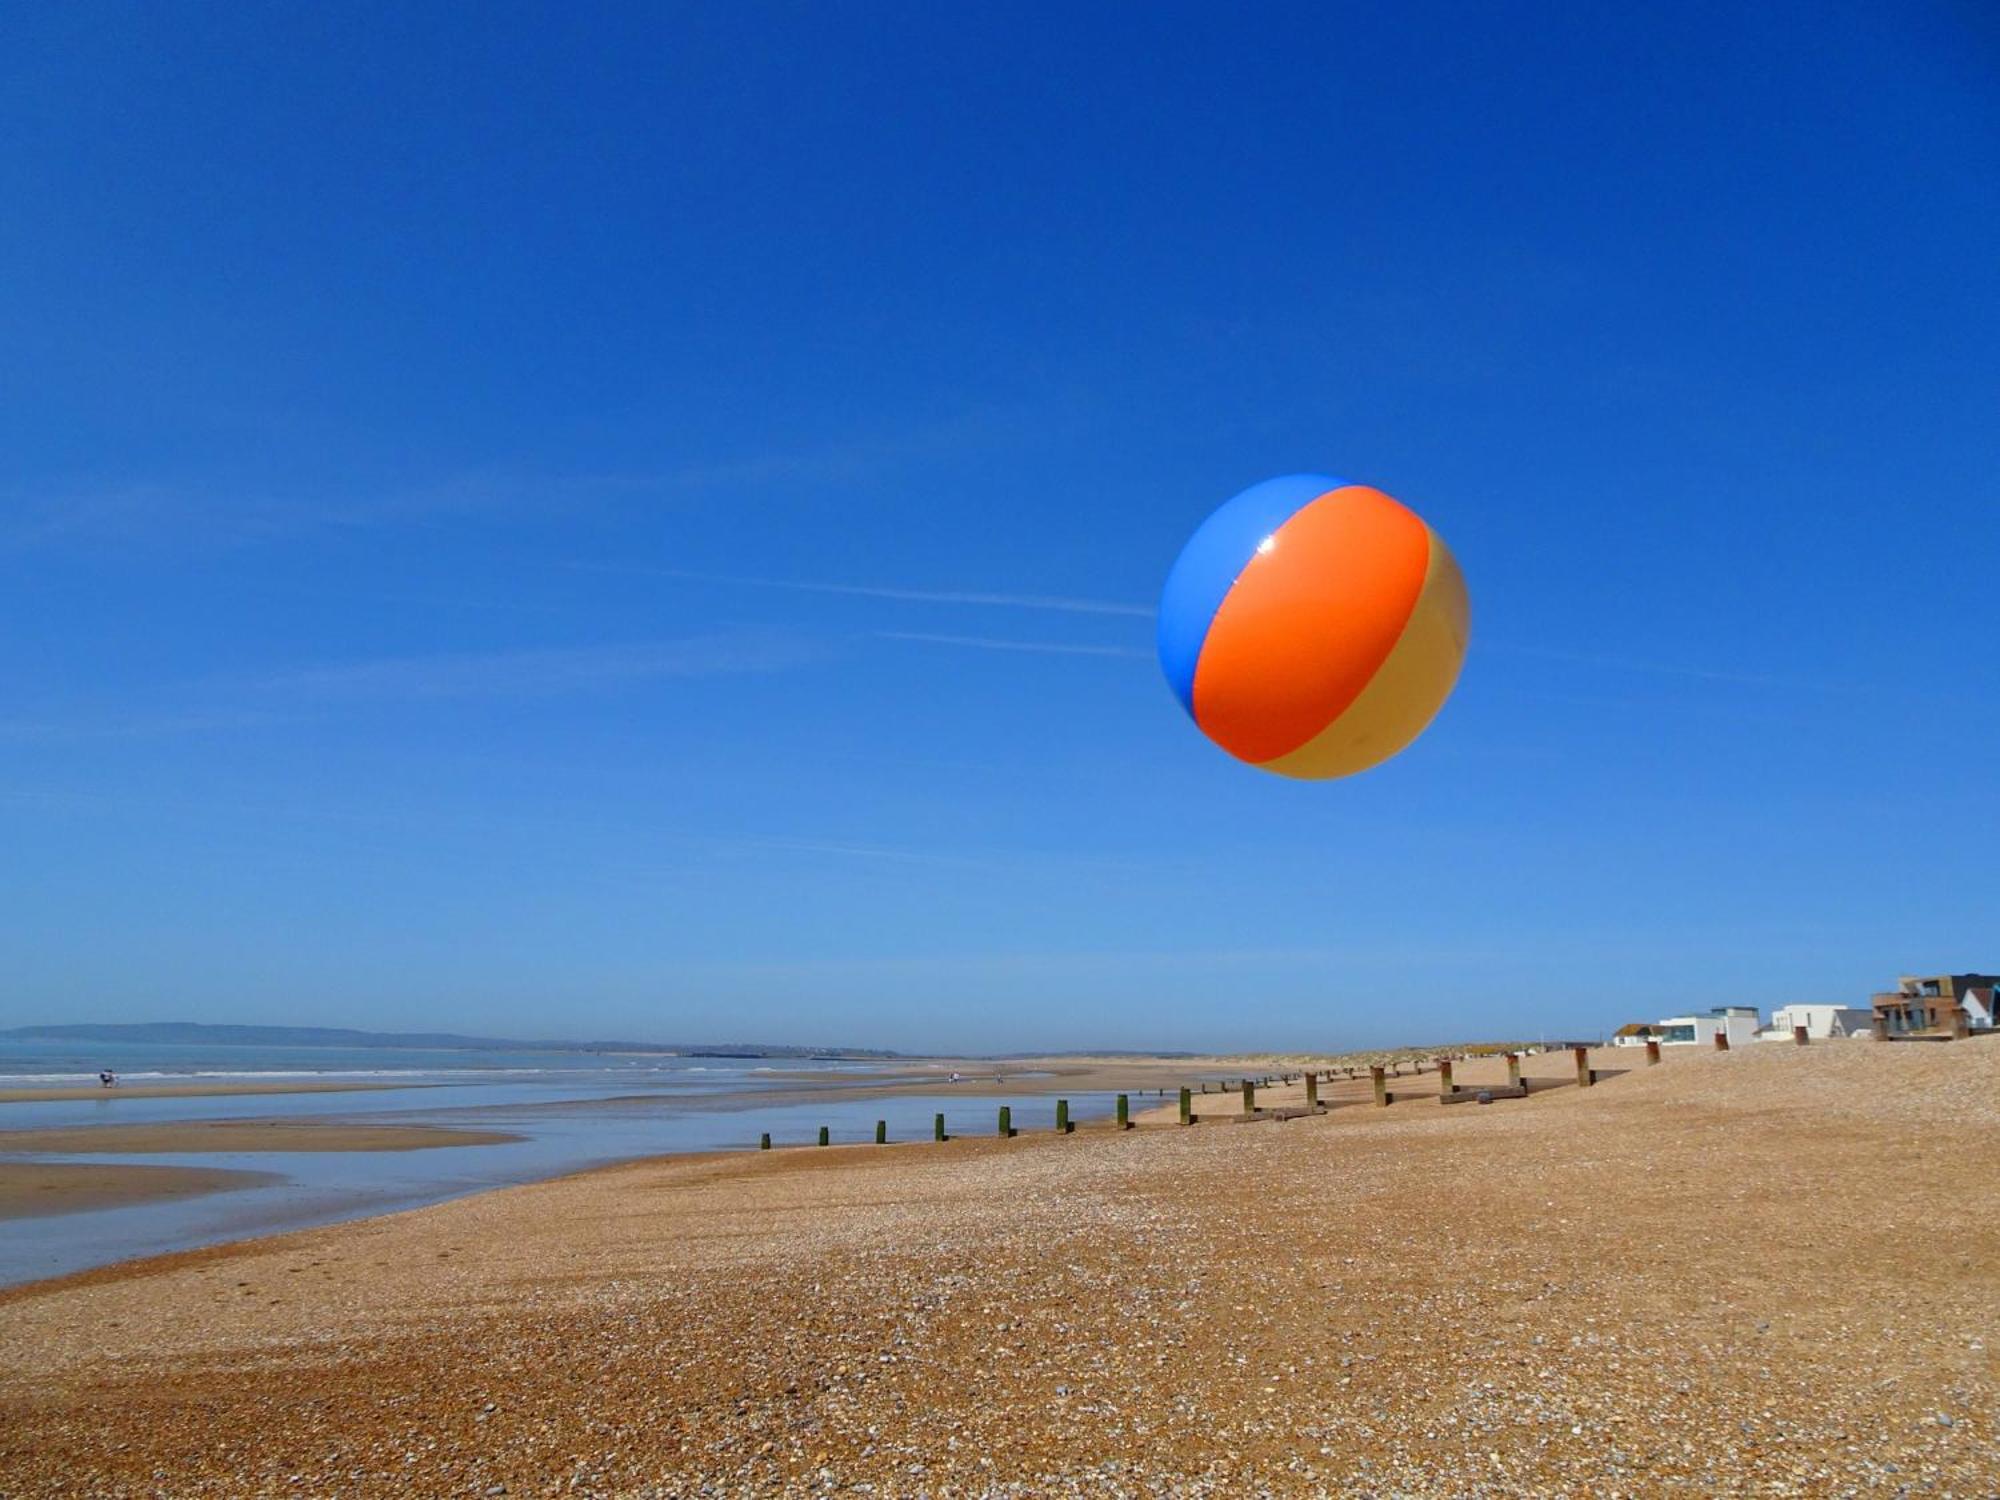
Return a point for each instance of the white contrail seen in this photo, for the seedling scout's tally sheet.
(992, 643)
(1054, 602)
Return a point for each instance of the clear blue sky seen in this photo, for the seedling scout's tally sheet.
(645, 520)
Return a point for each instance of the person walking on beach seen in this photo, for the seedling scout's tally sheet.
(106, 1078)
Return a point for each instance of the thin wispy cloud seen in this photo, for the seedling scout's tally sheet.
(1058, 603)
(1035, 862)
(144, 511)
(1629, 664)
(842, 850)
(995, 643)
(153, 515)
(147, 515)
(1070, 965)
(873, 456)
(539, 672)
(309, 694)
(166, 724)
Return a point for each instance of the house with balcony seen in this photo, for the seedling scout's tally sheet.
(1935, 1007)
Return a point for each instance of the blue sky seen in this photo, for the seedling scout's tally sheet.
(645, 521)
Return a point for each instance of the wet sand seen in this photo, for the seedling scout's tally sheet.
(1013, 1080)
(1059, 1075)
(204, 1090)
(241, 1135)
(1774, 1271)
(32, 1189)
(1029, 1072)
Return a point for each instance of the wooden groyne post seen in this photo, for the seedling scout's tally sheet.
(1187, 1106)
(937, 1128)
(1444, 1075)
(1800, 1037)
(1249, 1097)
(1583, 1078)
(1124, 1113)
(1722, 1041)
(1652, 1051)
(1312, 1091)
(1062, 1117)
(881, 1132)
(1378, 1075)
(1006, 1121)
(1513, 1070)
(764, 1141)
(824, 1135)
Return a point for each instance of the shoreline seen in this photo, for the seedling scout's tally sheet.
(193, 1137)
(1036, 1075)
(1151, 1082)
(1415, 1093)
(201, 1258)
(221, 1089)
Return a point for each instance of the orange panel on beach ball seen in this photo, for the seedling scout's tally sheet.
(1314, 614)
(1313, 627)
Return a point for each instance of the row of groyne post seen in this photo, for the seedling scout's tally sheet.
(1379, 1075)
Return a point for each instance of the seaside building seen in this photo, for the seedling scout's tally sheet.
(1636, 1034)
(1737, 1022)
(1934, 1006)
(1822, 1022)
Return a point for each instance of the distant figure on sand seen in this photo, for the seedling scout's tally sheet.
(957, 1077)
(106, 1078)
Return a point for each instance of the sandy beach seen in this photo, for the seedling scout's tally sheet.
(976, 1080)
(1774, 1270)
(1042, 1075)
(239, 1135)
(32, 1189)
(1078, 1074)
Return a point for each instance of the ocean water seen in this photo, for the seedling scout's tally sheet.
(28, 1062)
(572, 1111)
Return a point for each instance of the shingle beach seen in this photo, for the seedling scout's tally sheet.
(1774, 1271)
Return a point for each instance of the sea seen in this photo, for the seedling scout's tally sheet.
(572, 1110)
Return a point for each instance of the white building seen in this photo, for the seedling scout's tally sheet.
(1822, 1022)
(1737, 1022)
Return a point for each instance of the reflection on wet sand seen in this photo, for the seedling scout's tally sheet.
(35, 1189)
(239, 1135)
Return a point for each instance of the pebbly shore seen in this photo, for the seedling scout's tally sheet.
(1774, 1271)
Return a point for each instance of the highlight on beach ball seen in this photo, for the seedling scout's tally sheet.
(1313, 627)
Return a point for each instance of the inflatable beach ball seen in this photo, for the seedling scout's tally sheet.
(1313, 627)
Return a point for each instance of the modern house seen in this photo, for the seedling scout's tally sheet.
(1822, 1022)
(1935, 1006)
(1737, 1022)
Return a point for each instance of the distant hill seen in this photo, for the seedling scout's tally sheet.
(197, 1034)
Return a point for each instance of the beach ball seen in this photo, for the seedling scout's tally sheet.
(1313, 627)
